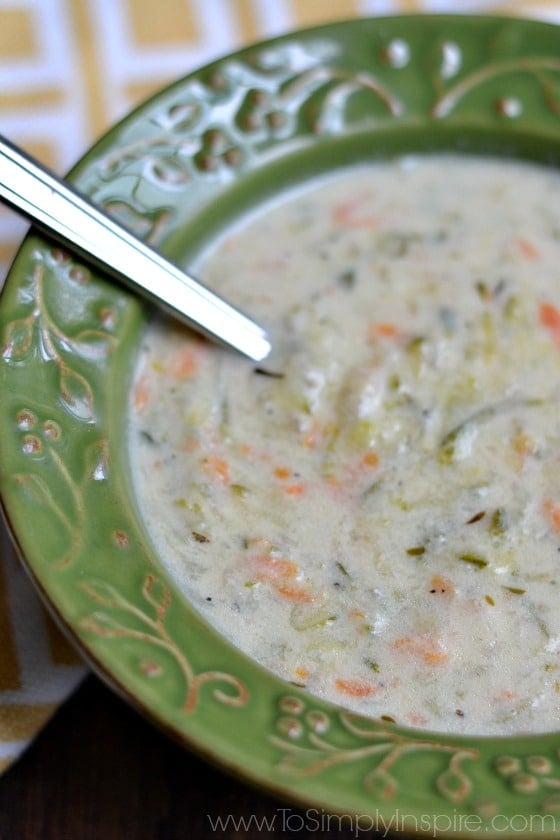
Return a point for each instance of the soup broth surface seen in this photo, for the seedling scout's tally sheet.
(376, 518)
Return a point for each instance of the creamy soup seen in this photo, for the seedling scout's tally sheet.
(376, 517)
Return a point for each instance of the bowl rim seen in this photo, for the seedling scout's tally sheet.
(519, 131)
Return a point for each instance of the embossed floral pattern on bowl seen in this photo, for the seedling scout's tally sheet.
(68, 340)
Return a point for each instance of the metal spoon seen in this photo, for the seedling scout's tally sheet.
(65, 214)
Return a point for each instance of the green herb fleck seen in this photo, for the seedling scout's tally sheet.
(239, 489)
(512, 308)
(369, 491)
(372, 665)
(274, 374)
(415, 345)
(347, 278)
(416, 551)
(487, 412)
(474, 560)
(499, 523)
(483, 290)
(396, 243)
(342, 569)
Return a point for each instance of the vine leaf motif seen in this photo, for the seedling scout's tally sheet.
(539, 68)
(37, 490)
(381, 784)
(75, 392)
(332, 114)
(123, 619)
(453, 783)
(38, 333)
(307, 751)
(286, 88)
(41, 440)
(148, 151)
(146, 224)
(18, 339)
(91, 344)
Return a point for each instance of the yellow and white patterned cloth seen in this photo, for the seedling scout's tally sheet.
(68, 70)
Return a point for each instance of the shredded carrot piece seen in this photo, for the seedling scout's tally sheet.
(294, 593)
(294, 489)
(370, 459)
(184, 363)
(189, 444)
(504, 696)
(317, 433)
(417, 719)
(527, 249)
(355, 688)
(355, 613)
(549, 316)
(216, 468)
(442, 585)
(313, 435)
(282, 472)
(142, 394)
(353, 213)
(434, 657)
(276, 568)
(282, 574)
(423, 649)
(523, 444)
(552, 513)
(301, 673)
(383, 331)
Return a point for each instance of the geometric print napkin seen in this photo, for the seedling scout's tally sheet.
(38, 668)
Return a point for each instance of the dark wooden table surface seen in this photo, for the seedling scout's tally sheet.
(98, 771)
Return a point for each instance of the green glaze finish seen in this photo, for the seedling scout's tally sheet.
(174, 171)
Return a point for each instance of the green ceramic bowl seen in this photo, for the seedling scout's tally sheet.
(182, 165)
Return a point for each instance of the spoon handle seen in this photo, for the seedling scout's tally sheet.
(72, 219)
